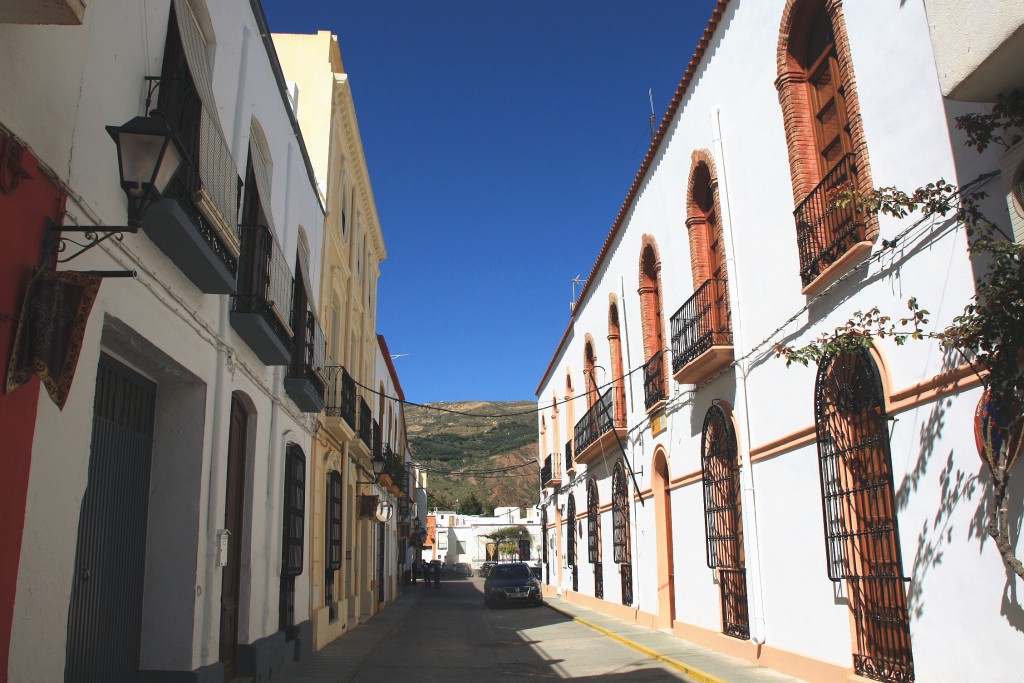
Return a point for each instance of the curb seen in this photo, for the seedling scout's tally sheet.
(683, 667)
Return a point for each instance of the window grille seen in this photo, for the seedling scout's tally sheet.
(593, 523)
(294, 509)
(620, 532)
(570, 528)
(594, 537)
(334, 503)
(722, 519)
(294, 520)
(858, 509)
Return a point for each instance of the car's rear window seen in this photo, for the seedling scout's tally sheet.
(511, 571)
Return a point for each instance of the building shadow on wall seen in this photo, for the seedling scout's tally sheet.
(957, 487)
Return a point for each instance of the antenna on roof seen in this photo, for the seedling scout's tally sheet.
(572, 303)
(650, 97)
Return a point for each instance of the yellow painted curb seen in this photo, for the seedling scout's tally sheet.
(696, 674)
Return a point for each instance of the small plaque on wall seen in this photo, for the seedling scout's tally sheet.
(657, 423)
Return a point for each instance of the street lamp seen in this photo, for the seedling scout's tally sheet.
(149, 153)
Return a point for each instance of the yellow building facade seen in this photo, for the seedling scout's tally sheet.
(343, 538)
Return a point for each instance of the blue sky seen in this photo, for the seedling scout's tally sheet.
(501, 139)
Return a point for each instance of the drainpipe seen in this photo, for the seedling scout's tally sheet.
(753, 557)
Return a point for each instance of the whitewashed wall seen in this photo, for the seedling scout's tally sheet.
(907, 126)
(67, 84)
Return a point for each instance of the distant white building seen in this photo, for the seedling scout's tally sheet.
(463, 538)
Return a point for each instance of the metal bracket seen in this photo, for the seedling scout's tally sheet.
(55, 243)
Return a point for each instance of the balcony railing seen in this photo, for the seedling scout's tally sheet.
(261, 305)
(597, 421)
(703, 322)
(568, 456)
(549, 474)
(393, 466)
(365, 424)
(341, 395)
(193, 222)
(824, 230)
(305, 383)
(654, 380)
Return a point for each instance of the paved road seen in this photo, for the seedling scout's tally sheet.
(448, 635)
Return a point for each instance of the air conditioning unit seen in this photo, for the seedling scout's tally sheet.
(1011, 163)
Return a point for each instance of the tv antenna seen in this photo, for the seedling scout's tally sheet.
(650, 98)
(572, 302)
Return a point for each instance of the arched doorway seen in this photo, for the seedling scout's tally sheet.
(663, 530)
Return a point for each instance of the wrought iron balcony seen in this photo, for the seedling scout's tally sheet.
(548, 475)
(825, 231)
(598, 431)
(702, 333)
(261, 305)
(341, 396)
(654, 380)
(365, 424)
(193, 223)
(305, 383)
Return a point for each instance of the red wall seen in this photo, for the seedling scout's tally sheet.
(27, 198)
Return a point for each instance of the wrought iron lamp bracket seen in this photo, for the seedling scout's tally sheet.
(55, 243)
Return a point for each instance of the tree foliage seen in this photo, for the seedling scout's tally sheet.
(988, 334)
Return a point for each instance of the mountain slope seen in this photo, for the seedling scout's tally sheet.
(455, 439)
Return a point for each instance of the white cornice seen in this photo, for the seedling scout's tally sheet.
(344, 108)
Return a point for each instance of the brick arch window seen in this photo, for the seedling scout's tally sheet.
(859, 510)
(825, 139)
(620, 532)
(651, 314)
(618, 378)
(570, 415)
(589, 371)
(704, 321)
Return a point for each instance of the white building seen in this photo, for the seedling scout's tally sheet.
(463, 538)
(165, 515)
(712, 490)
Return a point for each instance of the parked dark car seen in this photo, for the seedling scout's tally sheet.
(484, 568)
(462, 570)
(510, 583)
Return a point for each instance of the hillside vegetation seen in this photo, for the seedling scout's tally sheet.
(479, 435)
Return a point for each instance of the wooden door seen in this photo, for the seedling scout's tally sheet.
(233, 510)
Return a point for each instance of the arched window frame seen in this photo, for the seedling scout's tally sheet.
(594, 536)
(723, 519)
(829, 240)
(860, 522)
(652, 311)
(621, 551)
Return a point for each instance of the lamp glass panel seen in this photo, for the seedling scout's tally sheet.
(139, 152)
(168, 167)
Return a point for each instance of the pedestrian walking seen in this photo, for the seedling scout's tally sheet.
(415, 570)
(437, 573)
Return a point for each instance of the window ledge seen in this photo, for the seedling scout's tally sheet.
(838, 268)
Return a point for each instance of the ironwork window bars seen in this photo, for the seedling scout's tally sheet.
(859, 511)
(722, 520)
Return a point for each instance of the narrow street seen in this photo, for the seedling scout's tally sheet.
(448, 634)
